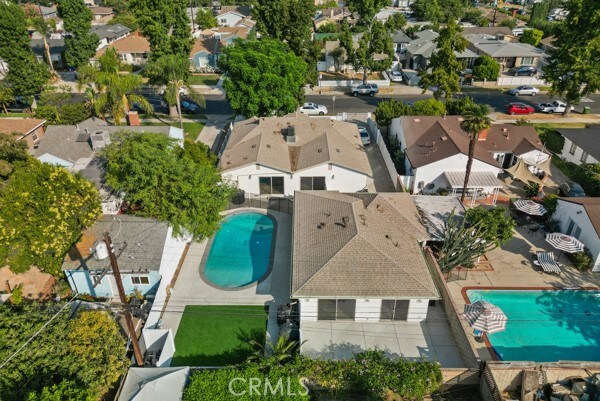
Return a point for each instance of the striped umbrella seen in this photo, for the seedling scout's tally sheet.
(530, 207)
(485, 317)
(564, 242)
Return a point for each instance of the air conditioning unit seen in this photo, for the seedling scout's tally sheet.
(99, 140)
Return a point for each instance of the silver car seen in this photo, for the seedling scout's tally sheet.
(364, 136)
(313, 109)
(524, 90)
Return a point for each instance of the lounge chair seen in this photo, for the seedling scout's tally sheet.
(547, 262)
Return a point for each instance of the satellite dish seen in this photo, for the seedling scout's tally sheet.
(101, 251)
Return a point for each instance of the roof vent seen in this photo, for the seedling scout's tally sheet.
(100, 139)
(268, 146)
(253, 146)
(319, 150)
(504, 129)
(291, 134)
(101, 251)
(417, 120)
(444, 138)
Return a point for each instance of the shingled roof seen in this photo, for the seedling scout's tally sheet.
(318, 141)
(358, 246)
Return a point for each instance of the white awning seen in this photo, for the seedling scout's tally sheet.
(477, 179)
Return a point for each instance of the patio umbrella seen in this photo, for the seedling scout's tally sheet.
(565, 243)
(530, 207)
(485, 317)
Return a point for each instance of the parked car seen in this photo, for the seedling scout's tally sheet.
(313, 109)
(571, 189)
(555, 107)
(364, 136)
(524, 90)
(189, 107)
(527, 70)
(519, 108)
(365, 89)
(396, 76)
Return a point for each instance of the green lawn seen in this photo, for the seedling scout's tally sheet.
(204, 79)
(192, 130)
(14, 115)
(209, 335)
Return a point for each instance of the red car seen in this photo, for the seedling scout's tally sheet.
(519, 108)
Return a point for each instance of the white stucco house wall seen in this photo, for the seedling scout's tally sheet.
(358, 257)
(581, 144)
(232, 15)
(580, 217)
(281, 155)
(436, 147)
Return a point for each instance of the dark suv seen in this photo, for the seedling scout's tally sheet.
(571, 189)
(523, 70)
(365, 89)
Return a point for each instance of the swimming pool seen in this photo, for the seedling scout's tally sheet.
(546, 326)
(240, 252)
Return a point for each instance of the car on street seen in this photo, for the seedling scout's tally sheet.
(396, 76)
(519, 108)
(526, 70)
(364, 136)
(571, 189)
(189, 107)
(555, 107)
(365, 89)
(523, 90)
(313, 109)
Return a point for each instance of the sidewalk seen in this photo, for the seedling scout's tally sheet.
(393, 89)
(548, 118)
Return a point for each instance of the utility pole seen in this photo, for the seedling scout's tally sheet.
(128, 319)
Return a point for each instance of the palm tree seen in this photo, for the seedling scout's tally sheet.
(475, 122)
(44, 29)
(109, 91)
(272, 353)
(173, 72)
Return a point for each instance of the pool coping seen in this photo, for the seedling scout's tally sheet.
(271, 255)
(486, 340)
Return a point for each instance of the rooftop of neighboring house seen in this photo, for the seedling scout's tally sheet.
(245, 11)
(110, 31)
(293, 144)
(431, 138)
(226, 32)
(592, 208)
(205, 45)
(37, 9)
(19, 126)
(138, 244)
(496, 47)
(56, 46)
(331, 45)
(401, 37)
(246, 23)
(358, 245)
(133, 43)
(425, 45)
(586, 138)
(101, 10)
(487, 30)
(548, 41)
(435, 211)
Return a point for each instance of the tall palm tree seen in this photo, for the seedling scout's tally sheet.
(173, 71)
(475, 122)
(44, 29)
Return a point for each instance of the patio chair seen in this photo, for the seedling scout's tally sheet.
(548, 263)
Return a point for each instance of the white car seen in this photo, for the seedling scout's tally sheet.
(555, 107)
(524, 90)
(396, 76)
(313, 109)
(364, 136)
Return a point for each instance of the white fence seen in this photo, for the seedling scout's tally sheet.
(389, 164)
(323, 83)
(406, 181)
(516, 81)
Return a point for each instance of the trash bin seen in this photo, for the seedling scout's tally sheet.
(586, 110)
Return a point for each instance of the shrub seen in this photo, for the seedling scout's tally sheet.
(532, 37)
(486, 67)
(531, 189)
(329, 27)
(582, 261)
(429, 107)
(550, 202)
(553, 141)
(74, 113)
(387, 110)
(587, 175)
(509, 22)
(16, 297)
(523, 121)
(458, 106)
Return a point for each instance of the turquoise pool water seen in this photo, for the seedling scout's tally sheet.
(240, 252)
(546, 326)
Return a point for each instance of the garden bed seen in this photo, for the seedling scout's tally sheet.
(356, 76)
(204, 79)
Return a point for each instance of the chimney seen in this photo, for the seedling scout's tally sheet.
(133, 119)
(291, 135)
(483, 135)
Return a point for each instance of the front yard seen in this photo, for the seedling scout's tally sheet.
(192, 130)
(209, 335)
(356, 76)
(204, 79)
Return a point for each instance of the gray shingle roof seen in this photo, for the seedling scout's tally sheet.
(499, 48)
(145, 240)
(57, 46)
(110, 31)
(434, 212)
(585, 138)
(358, 246)
(318, 140)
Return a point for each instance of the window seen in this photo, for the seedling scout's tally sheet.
(123, 56)
(223, 20)
(336, 309)
(312, 183)
(34, 137)
(527, 61)
(573, 149)
(584, 157)
(392, 309)
(573, 229)
(271, 185)
(139, 280)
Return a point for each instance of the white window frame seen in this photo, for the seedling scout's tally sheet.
(139, 280)
(584, 157)
(573, 148)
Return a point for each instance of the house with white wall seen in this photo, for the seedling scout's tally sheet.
(146, 252)
(133, 49)
(358, 257)
(580, 217)
(108, 34)
(436, 152)
(581, 144)
(232, 15)
(281, 155)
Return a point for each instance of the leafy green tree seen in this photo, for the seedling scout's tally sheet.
(445, 67)
(458, 106)
(110, 92)
(396, 22)
(11, 151)
(475, 121)
(329, 27)
(509, 22)
(497, 227)
(573, 67)
(427, 10)
(44, 29)
(43, 209)
(485, 68)
(532, 36)
(539, 11)
(158, 179)
(387, 110)
(339, 57)
(263, 78)
(66, 390)
(127, 19)
(475, 16)
(205, 19)
(429, 107)
(7, 96)
(166, 25)
(80, 43)
(25, 74)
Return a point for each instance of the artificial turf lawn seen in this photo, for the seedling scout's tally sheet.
(208, 335)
